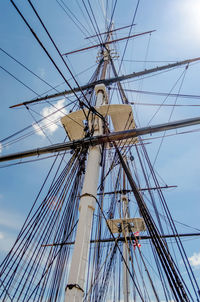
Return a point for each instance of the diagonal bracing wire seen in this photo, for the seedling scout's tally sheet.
(28, 69)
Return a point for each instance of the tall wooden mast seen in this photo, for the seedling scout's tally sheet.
(76, 281)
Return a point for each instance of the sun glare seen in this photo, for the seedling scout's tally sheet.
(190, 16)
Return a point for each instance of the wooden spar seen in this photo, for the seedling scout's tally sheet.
(110, 81)
(110, 31)
(109, 42)
(105, 138)
(140, 189)
(122, 239)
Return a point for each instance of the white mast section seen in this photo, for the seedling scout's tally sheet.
(126, 285)
(77, 275)
(76, 281)
(125, 213)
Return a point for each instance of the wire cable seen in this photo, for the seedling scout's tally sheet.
(33, 73)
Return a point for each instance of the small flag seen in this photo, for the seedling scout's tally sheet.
(136, 244)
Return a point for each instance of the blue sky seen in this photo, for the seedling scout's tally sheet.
(177, 25)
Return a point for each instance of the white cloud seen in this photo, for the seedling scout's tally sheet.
(195, 260)
(50, 124)
(1, 235)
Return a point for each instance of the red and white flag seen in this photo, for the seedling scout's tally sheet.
(136, 244)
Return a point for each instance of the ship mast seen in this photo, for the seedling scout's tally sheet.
(126, 286)
(77, 275)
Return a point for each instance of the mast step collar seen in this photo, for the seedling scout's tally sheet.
(88, 194)
(100, 87)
